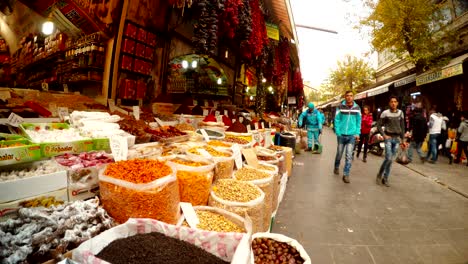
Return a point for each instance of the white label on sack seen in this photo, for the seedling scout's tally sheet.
(226, 112)
(256, 126)
(204, 153)
(237, 155)
(45, 86)
(63, 113)
(205, 112)
(217, 113)
(267, 138)
(119, 147)
(250, 157)
(249, 129)
(219, 118)
(15, 120)
(189, 214)
(269, 124)
(136, 112)
(205, 135)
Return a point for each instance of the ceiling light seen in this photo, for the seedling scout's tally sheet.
(263, 80)
(184, 64)
(194, 64)
(48, 26)
(219, 81)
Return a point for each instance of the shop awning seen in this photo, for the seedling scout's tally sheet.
(378, 90)
(360, 95)
(454, 68)
(406, 80)
(336, 103)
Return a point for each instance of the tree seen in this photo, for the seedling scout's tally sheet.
(351, 74)
(415, 30)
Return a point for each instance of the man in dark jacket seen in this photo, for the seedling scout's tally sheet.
(418, 129)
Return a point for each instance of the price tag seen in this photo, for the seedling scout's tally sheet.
(53, 109)
(236, 151)
(226, 113)
(65, 87)
(249, 129)
(267, 138)
(269, 124)
(219, 118)
(111, 104)
(159, 121)
(256, 125)
(241, 119)
(136, 112)
(204, 153)
(45, 86)
(119, 147)
(15, 120)
(233, 120)
(190, 214)
(205, 112)
(205, 135)
(217, 113)
(63, 113)
(250, 157)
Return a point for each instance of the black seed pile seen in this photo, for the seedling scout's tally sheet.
(155, 248)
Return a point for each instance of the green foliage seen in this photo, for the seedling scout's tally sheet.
(351, 74)
(411, 29)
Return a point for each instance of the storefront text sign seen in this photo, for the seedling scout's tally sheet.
(405, 81)
(440, 74)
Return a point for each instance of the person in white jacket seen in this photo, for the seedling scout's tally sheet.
(463, 137)
(435, 127)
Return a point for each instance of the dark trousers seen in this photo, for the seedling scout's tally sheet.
(462, 146)
(364, 139)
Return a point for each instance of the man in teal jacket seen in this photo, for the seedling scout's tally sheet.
(312, 121)
(347, 128)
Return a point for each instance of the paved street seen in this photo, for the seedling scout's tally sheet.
(416, 220)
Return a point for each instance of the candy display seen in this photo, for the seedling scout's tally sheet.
(45, 133)
(84, 160)
(140, 188)
(39, 168)
(39, 234)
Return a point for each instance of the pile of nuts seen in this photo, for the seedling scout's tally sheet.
(236, 191)
(267, 250)
(211, 151)
(250, 174)
(218, 143)
(237, 140)
(275, 148)
(212, 221)
(185, 127)
(266, 158)
(265, 167)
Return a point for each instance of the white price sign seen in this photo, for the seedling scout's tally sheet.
(241, 119)
(205, 135)
(226, 112)
(15, 120)
(219, 118)
(189, 214)
(136, 112)
(249, 129)
(119, 147)
(217, 113)
(45, 86)
(62, 113)
(256, 126)
(205, 112)
(237, 155)
(204, 153)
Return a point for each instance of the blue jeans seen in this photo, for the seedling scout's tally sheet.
(433, 139)
(417, 146)
(391, 147)
(312, 137)
(345, 144)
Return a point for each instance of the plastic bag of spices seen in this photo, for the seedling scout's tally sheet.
(223, 159)
(279, 246)
(195, 175)
(140, 188)
(231, 247)
(273, 170)
(219, 220)
(265, 181)
(240, 198)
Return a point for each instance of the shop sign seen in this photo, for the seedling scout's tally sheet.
(377, 91)
(272, 31)
(440, 75)
(405, 81)
(291, 100)
(360, 96)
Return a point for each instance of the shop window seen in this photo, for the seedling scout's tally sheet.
(461, 7)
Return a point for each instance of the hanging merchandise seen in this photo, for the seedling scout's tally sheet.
(229, 19)
(297, 84)
(245, 22)
(206, 28)
(282, 61)
(258, 38)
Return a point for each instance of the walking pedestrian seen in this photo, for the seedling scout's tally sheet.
(347, 129)
(436, 122)
(394, 122)
(463, 137)
(366, 125)
(312, 121)
(418, 129)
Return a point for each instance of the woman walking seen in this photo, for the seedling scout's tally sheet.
(366, 125)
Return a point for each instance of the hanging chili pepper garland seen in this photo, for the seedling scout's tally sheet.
(206, 28)
(258, 38)
(282, 61)
(245, 21)
(229, 19)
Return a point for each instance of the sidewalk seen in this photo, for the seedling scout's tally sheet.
(454, 177)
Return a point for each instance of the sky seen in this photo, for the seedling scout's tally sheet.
(319, 51)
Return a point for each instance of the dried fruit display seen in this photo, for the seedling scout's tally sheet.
(212, 221)
(164, 132)
(206, 28)
(267, 250)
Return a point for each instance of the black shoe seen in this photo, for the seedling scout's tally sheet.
(357, 155)
(385, 182)
(336, 171)
(379, 179)
(431, 161)
(364, 159)
(346, 179)
(309, 149)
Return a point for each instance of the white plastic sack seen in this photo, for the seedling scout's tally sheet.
(233, 247)
(276, 183)
(282, 238)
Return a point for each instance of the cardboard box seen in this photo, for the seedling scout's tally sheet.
(128, 46)
(140, 50)
(11, 207)
(126, 62)
(131, 30)
(83, 183)
(27, 187)
(141, 35)
(19, 154)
